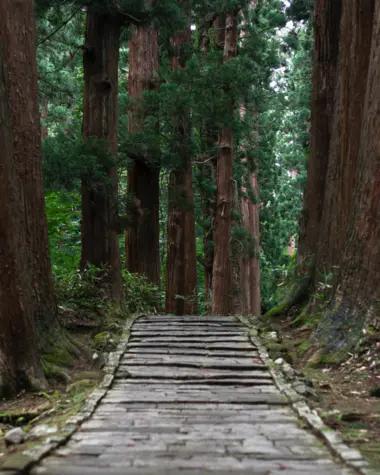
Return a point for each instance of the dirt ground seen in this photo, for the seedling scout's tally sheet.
(347, 393)
(52, 407)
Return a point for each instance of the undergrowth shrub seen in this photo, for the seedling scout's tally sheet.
(82, 292)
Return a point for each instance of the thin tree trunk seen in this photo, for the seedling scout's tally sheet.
(325, 62)
(181, 269)
(208, 175)
(250, 265)
(142, 242)
(222, 262)
(100, 240)
(26, 289)
(356, 301)
(208, 169)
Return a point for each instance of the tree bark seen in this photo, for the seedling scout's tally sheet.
(356, 301)
(221, 283)
(181, 267)
(250, 264)
(208, 169)
(26, 288)
(208, 175)
(356, 36)
(327, 18)
(100, 240)
(142, 241)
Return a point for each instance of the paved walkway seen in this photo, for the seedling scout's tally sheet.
(191, 396)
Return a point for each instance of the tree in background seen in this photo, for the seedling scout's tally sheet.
(100, 240)
(326, 49)
(181, 267)
(142, 242)
(221, 283)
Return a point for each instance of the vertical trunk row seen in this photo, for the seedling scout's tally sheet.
(357, 294)
(326, 49)
(342, 229)
(142, 242)
(26, 289)
(355, 46)
(100, 241)
(221, 287)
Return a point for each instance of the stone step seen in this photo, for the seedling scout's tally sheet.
(186, 333)
(235, 346)
(187, 326)
(159, 351)
(265, 379)
(200, 397)
(190, 339)
(192, 361)
(157, 372)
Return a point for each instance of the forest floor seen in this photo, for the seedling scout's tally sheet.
(49, 409)
(347, 394)
(65, 396)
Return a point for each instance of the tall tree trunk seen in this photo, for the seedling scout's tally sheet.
(100, 240)
(142, 242)
(250, 292)
(357, 297)
(356, 36)
(208, 169)
(222, 262)
(26, 288)
(326, 49)
(250, 264)
(181, 268)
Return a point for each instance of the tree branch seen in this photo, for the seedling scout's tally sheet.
(59, 27)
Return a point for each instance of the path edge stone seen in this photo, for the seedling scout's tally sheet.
(352, 458)
(21, 463)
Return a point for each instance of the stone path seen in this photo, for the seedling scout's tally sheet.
(192, 397)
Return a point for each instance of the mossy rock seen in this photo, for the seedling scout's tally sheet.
(59, 356)
(274, 346)
(100, 340)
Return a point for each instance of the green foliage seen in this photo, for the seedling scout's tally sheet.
(140, 295)
(63, 214)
